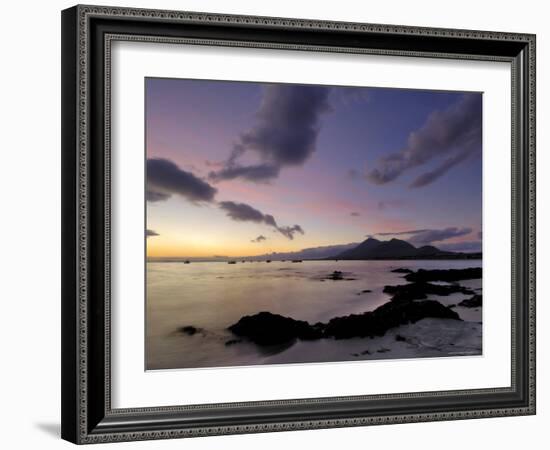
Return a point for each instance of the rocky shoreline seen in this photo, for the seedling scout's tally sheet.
(407, 305)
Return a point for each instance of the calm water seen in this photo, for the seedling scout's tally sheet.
(215, 295)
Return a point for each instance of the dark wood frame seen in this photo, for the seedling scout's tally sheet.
(87, 32)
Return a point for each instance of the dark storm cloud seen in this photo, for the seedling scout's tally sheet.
(259, 239)
(241, 212)
(354, 214)
(454, 134)
(152, 196)
(289, 232)
(150, 233)
(164, 178)
(430, 236)
(285, 134)
(259, 173)
(432, 175)
(470, 246)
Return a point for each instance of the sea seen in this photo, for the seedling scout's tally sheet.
(211, 296)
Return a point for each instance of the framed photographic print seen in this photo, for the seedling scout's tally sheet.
(267, 222)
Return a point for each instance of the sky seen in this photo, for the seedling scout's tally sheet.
(244, 169)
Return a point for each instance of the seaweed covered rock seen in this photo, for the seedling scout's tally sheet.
(423, 275)
(337, 275)
(389, 315)
(401, 270)
(190, 330)
(266, 328)
(272, 329)
(473, 302)
(418, 291)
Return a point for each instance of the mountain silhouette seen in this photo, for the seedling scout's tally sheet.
(397, 249)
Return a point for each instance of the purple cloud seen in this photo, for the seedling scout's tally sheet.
(289, 232)
(285, 134)
(241, 212)
(164, 179)
(401, 233)
(453, 134)
(428, 236)
(153, 196)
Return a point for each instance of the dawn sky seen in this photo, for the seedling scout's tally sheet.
(242, 169)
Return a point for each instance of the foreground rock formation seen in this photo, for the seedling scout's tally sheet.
(266, 328)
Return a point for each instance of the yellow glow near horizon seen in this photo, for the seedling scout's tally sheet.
(206, 245)
(160, 246)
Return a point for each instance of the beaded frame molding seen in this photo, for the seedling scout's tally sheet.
(87, 35)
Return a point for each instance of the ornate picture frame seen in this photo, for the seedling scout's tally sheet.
(87, 35)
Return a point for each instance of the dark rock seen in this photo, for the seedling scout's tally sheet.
(418, 291)
(473, 302)
(405, 292)
(266, 328)
(364, 291)
(363, 353)
(272, 329)
(190, 330)
(383, 350)
(402, 270)
(451, 306)
(399, 338)
(337, 275)
(450, 275)
(389, 315)
(232, 342)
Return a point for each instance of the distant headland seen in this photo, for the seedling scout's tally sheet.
(399, 249)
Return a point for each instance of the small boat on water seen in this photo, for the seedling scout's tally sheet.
(267, 260)
(186, 262)
(231, 262)
(296, 260)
